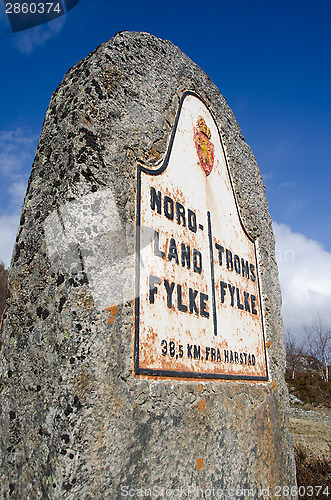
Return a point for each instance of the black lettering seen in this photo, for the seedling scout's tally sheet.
(252, 271)
(207, 353)
(253, 299)
(236, 357)
(186, 255)
(236, 260)
(220, 253)
(181, 306)
(218, 355)
(245, 356)
(231, 357)
(156, 200)
(223, 292)
(169, 289)
(197, 261)
(192, 304)
(229, 262)
(181, 352)
(249, 359)
(253, 360)
(196, 352)
(153, 280)
(203, 305)
(189, 350)
(180, 214)
(213, 354)
(172, 348)
(239, 304)
(232, 289)
(244, 268)
(172, 252)
(168, 207)
(164, 349)
(241, 358)
(246, 297)
(226, 356)
(191, 221)
(157, 250)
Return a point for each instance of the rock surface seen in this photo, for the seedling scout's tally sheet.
(75, 422)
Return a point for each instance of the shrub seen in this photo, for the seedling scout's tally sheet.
(312, 471)
(310, 388)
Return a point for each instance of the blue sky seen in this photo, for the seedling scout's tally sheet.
(271, 60)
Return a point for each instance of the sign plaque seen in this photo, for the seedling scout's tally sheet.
(198, 309)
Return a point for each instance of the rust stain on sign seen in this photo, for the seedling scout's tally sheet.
(198, 310)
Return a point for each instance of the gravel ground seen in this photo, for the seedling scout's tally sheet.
(319, 415)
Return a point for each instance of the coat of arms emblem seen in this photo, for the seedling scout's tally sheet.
(204, 147)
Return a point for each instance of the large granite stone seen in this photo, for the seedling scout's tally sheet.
(75, 421)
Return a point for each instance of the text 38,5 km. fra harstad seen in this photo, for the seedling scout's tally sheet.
(198, 310)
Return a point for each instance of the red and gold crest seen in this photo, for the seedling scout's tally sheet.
(204, 147)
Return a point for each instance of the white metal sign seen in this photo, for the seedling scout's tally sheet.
(198, 310)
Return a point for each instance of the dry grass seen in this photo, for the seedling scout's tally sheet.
(311, 435)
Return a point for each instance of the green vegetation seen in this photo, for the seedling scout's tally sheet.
(310, 388)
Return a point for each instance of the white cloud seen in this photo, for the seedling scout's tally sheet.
(8, 230)
(16, 149)
(17, 191)
(26, 41)
(305, 278)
